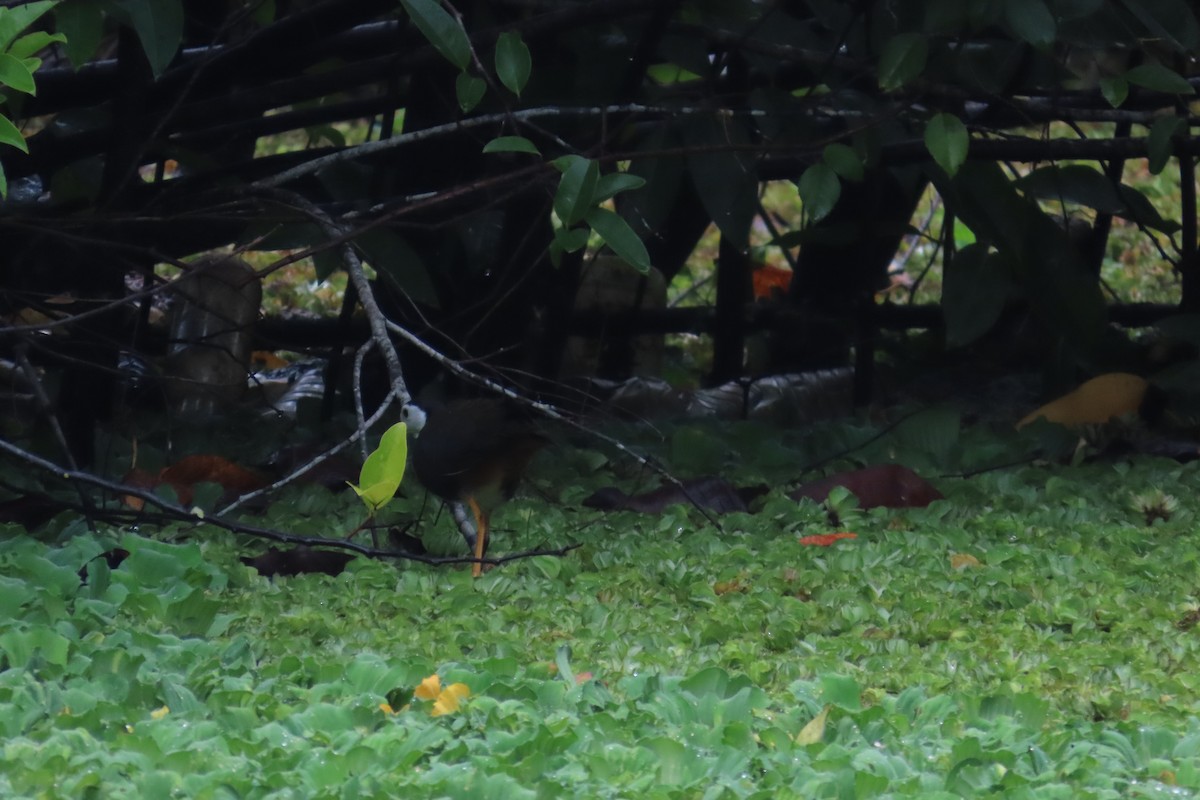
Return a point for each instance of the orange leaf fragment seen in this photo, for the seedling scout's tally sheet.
(582, 677)
(429, 689)
(963, 560)
(826, 539)
(449, 700)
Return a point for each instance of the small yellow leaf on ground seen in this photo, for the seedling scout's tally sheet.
(1095, 401)
(814, 731)
(429, 689)
(963, 560)
(159, 713)
(386, 708)
(450, 699)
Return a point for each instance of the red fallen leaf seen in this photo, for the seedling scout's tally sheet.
(583, 677)
(826, 539)
(769, 280)
(190, 470)
(887, 485)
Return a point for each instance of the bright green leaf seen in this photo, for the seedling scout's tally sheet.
(947, 140)
(10, 135)
(15, 75)
(383, 470)
(32, 43)
(819, 190)
(903, 59)
(513, 63)
(469, 90)
(844, 160)
(617, 234)
(511, 144)
(443, 31)
(841, 691)
(14, 19)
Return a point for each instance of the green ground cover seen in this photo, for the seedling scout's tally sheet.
(1032, 635)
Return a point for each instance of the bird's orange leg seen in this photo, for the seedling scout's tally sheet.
(481, 534)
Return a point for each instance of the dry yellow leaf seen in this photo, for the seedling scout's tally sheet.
(159, 713)
(450, 699)
(963, 560)
(814, 731)
(1095, 401)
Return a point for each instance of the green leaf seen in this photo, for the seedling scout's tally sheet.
(82, 22)
(567, 241)
(16, 18)
(1115, 90)
(614, 183)
(903, 59)
(159, 27)
(511, 144)
(10, 135)
(443, 31)
(617, 234)
(513, 63)
(819, 190)
(975, 287)
(32, 43)
(1159, 142)
(576, 190)
(469, 90)
(844, 160)
(1031, 21)
(947, 140)
(16, 75)
(383, 470)
(3, 181)
(1158, 78)
(841, 691)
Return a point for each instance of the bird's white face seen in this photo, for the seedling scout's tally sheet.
(414, 417)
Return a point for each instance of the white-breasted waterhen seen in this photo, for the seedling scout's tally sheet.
(472, 452)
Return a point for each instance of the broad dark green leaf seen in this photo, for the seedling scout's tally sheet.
(1170, 21)
(614, 183)
(725, 178)
(1155, 76)
(975, 287)
(902, 60)
(82, 22)
(617, 234)
(16, 75)
(511, 144)
(1073, 183)
(1160, 142)
(513, 63)
(1141, 210)
(396, 261)
(443, 31)
(844, 160)
(159, 27)
(947, 140)
(1031, 21)
(819, 190)
(1115, 91)
(469, 90)
(576, 190)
